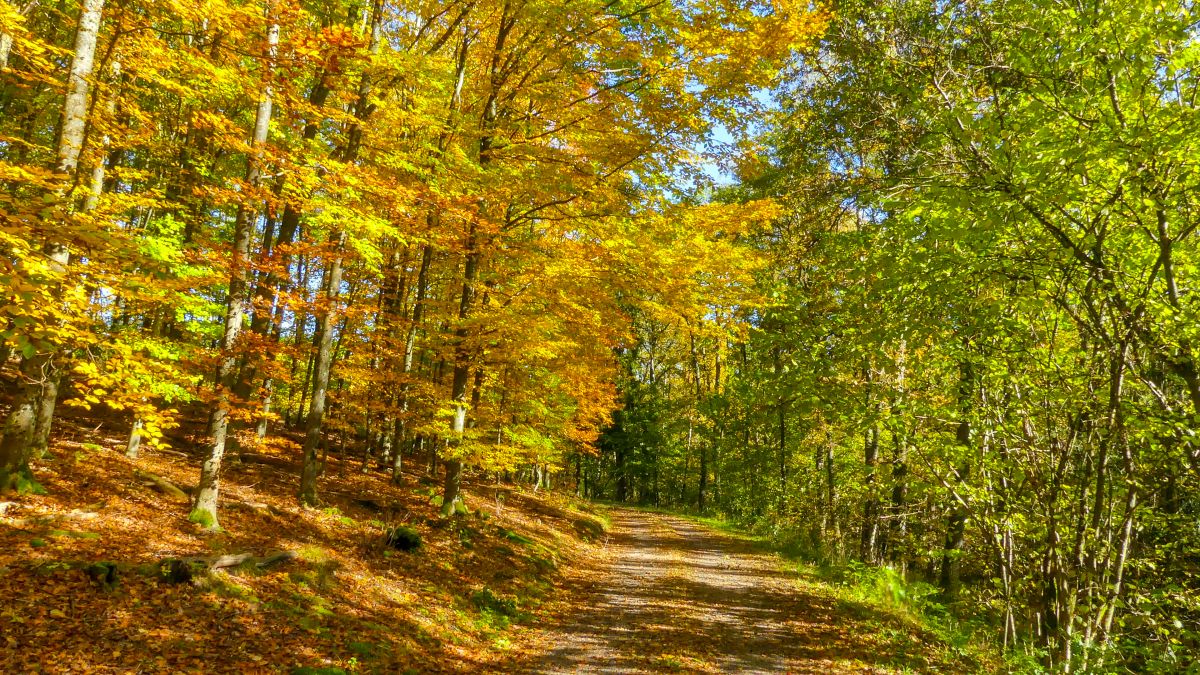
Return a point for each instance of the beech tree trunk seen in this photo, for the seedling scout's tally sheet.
(870, 528)
(322, 369)
(6, 42)
(410, 345)
(208, 489)
(333, 284)
(266, 292)
(702, 482)
(462, 367)
(27, 427)
(451, 488)
(957, 520)
(135, 440)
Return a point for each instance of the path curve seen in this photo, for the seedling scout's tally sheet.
(679, 597)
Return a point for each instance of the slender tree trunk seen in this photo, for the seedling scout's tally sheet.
(6, 42)
(135, 439)
(6, 39)
(702, 483)
(322, 368)
(269, 383)
(453, 473)
(622, 477)
(832, 525)
(870, 529)
(957, 520)
(292, 417)
(333, 283)
(266, 292)
(410, 347)
(458, 386)
(27, 427)
(462, 351)
(208, 489)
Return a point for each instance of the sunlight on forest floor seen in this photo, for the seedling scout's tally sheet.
(345, 602)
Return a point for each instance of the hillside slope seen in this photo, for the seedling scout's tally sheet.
(95, 571)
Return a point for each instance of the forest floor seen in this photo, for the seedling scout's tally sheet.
(525, 582)
(677, 596)
(80, 566)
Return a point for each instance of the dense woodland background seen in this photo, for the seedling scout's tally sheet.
(937, 318)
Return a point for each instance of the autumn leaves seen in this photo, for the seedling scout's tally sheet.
(416, 227)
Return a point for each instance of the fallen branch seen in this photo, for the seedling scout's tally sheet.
(180, 570)
(276, 558)
(51, 518)
(171, 570)
(164, 486)
(258, 507)
(269, 460)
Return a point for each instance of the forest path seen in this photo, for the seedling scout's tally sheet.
(680, 597)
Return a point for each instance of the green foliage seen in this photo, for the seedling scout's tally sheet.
(226, 587)
(366, 650)
(973, 364)
(884, 585)
(517, 537)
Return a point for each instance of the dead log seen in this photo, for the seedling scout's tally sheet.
(258, 507)
(276, 558)
(269, 460)
(163, 485)
(51, 518)
(183, 570)
(223, 561)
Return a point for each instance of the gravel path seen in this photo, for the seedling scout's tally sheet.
(679, 597)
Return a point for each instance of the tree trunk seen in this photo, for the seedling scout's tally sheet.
(135, 440)
(458, 386)
(333, 283)
(410, 348)
(832, 527)
(266, 292)
(702, 483)
(27, 427)
(321, 371)
(205, 511)
(6, 42)
(870, 528)
(462, 352)
(957, 520)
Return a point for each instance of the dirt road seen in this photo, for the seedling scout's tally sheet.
(678, 597)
